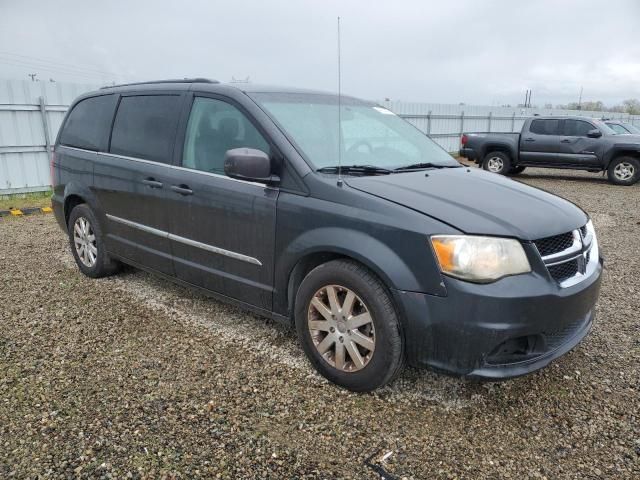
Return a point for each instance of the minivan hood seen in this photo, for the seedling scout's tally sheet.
(477, 202)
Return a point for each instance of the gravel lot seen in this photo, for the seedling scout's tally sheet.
(134, 377)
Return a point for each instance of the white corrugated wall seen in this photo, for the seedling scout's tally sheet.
(24, 161)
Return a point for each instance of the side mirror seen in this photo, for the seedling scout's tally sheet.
(249, 164)
(595, 133)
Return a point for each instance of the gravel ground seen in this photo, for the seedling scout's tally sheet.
(133, 377)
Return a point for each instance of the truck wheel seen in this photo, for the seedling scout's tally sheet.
(348, 326)
(516, 170)
(497, 162)
(624, 171)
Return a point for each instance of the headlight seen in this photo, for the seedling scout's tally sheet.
(479, 259)
(592, 240)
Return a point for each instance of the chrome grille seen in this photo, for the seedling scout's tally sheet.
(564, 271)
(567, 256)
(583, 231)
(557, 243)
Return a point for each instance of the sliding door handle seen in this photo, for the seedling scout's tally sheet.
(182, 189)
(152, 182)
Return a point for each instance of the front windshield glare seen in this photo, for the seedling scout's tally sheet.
(370, 135)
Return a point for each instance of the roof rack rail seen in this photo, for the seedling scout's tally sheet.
(173, 80)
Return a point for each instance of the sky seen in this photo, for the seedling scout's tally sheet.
(445, 51)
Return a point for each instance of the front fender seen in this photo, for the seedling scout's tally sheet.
(619, 149)
(390, 267)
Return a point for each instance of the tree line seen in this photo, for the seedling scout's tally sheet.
(630, 106)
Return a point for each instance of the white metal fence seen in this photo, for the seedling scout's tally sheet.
(446, 123)
(31, 113)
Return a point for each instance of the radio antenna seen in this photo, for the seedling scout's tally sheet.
(339, 113)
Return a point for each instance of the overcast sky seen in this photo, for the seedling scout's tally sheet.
(447, 51)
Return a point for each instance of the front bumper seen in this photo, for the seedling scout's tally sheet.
(501, 330)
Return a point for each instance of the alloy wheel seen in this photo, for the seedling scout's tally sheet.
(341, 328)
(84, 240)
(624, 171)
(495, 164)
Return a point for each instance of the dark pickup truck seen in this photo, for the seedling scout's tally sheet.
(579, 143)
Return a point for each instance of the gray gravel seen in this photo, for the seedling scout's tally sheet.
(134, 377)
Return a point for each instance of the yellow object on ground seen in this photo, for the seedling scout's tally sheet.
(16, 212)
(46, 209)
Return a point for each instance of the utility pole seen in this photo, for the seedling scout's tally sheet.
(580, 99)
(33, 76)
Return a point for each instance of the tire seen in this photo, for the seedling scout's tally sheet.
(497, 162)
(87, 244)
(624, 171)
(516, 170)
(377, 366)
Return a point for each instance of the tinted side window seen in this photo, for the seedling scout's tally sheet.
(577, 128)
(215, 127)
(145, 127)
(619, 129)
(88, 124)
(545, 127)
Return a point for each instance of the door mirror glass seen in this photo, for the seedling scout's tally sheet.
(249, 164)
(595, 133)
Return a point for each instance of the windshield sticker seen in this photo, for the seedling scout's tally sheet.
(383, 110)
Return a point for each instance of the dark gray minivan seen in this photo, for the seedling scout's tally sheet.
(399, 255)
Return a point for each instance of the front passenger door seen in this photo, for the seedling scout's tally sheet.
(576, 146)
(222, 230)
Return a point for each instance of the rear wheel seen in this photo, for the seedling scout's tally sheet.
(497, 162)
(624, 171)
(87, 245)
(348, 326)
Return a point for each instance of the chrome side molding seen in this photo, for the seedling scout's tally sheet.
(186, 241)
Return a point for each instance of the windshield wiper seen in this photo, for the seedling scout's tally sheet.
(423, 165)
(356, 169)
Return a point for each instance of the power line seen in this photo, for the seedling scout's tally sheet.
(31, 64)
(58, 69)
(55, 62)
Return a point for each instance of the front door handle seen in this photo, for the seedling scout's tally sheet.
(566, 140)
(152, 182)
(529, 139)
(182, 189)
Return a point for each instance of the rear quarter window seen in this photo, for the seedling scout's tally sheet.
(145, 127)
(88, 124)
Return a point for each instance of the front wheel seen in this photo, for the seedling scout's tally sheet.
(624, 171)
(348, 327)
(497, 162)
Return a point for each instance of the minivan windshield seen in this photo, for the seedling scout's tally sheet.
(368, 136)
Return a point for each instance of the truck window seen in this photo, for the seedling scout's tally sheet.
(88, 124)
(619, 129)
(145, 127)
(577, 128)
(545, 127)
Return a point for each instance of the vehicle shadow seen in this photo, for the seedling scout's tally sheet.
(594, 179)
